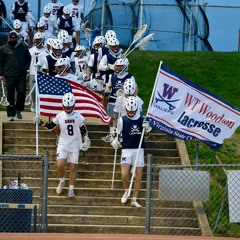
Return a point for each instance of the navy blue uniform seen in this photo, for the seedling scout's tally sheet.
(131, 133)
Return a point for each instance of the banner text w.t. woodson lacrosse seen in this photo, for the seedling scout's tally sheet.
(187, 111)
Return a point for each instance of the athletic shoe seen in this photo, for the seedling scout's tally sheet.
(11, 119)
(19, 114)
(124, 197)
(107, 138)
(71, 193)
(60, 187)
(33, 108)
(135, 204)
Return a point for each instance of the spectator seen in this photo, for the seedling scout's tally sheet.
(73, 137)
(14, 62)
(130, 128)
(78, 17)
(3, 11)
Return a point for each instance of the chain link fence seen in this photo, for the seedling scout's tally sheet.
(23, 193)
(181, 25)
(193, 200)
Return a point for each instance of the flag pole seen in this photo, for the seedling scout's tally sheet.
(36, 106)
(142, 135)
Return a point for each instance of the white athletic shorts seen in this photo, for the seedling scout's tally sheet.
(71, 157)
(129, 156)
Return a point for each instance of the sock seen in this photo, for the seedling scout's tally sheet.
(71, 187)
(62, 180)
(134, 199)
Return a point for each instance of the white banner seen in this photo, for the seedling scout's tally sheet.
(187, 111)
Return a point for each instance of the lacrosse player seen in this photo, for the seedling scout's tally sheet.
(73, 136)
(77, 14)
(35, 51)
(56, 8)
(115, 84)
(130, 128)
(130, 89)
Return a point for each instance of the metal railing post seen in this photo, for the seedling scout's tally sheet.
(45, 192)
(148, 194)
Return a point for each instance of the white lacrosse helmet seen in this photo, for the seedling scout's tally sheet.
(121, 62)
(80, 50)
(41, 24)
(66, 10)
(114, 47)
(63, 36)
(113, 41)
(129, 86)
(17, 24)
(97, 40)
(56, 45)
(64, 63)
(110, 34)
(102, 39)
(49, 41)
(38, 36)
(68, 102)
(47, 9)
(131, 104)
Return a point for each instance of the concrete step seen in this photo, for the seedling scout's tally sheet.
(31, 149)
(11, 164)
(113, 229)
(94, 142)
(127, 219)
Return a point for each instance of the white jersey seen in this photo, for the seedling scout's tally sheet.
(76, 12)
(121, 103)
(70, 138)
(55, 8)
(81, 65)
(35, 53)
(50, 26)
(41, 58)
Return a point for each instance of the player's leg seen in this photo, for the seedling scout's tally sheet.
(61, 156)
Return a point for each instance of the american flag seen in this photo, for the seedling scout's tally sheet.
(51, 90)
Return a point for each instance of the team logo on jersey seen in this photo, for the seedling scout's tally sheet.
(66, 24)
(135, 130)
(166, 97)
(123, 159)
(119, 84)
(20, 10)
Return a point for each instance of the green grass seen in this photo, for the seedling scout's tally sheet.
(218, 73)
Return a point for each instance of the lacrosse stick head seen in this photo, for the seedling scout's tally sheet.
(87, 34)
(119, 93)
(28, 100)
(4, 101)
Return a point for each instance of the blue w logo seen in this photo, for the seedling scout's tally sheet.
(168, 92)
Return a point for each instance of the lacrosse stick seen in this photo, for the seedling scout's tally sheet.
(28, 97)
(138, 35)
(141, 44)
(4, 100)
(120, 93)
